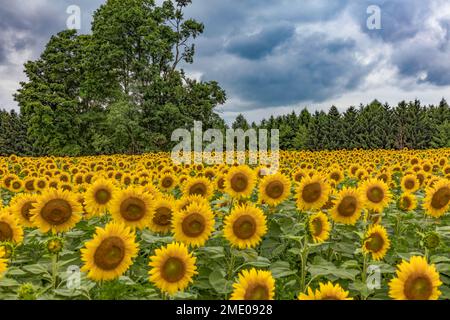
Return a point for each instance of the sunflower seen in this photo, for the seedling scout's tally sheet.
(198, 186)
(347, 207)
(437, 199)
(240, 181)
(407, 202)
(194, 225)
(416, 280)
(40, 183)
(326, 291)
(245, 226)
(56, 210)
(336, 175)
(28, 184)
(167, 182)
(274, 189)
(16, 186)
(298, 175)
(254, 285)
(98, 196)
(132, 206)
(376, 242)
(10, 230)
(312, 193)
(409, 183)
(109, 254)
(319, 227)
(375, 194)
(173, 268)
(21, 207)
(161, 215)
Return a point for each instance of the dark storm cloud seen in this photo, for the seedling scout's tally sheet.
(258, 45)
(310, 67)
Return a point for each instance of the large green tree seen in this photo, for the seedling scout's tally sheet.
(130, 67)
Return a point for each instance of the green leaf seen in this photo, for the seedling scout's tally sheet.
(15, 272)
(36, 268)
(281, 269)
(8, 282)
(218, 282)
(213, 252)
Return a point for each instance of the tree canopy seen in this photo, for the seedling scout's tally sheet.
(121, 88)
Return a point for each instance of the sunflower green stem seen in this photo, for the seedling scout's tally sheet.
(55, 271)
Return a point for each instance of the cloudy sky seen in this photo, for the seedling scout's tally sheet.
(275, 56)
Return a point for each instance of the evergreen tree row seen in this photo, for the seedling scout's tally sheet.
(374, 126)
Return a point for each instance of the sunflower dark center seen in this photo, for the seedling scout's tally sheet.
(110, 253)
(221, 183)
(25, 210)
(375, 242)
(56, 212)
(193, 225)
(198, 189)
(440, 198)
(239, 182)
(132, 209)
(335, 176)
(167, 182)
(16, 185)
(6, 232)
(102, 196)
(29, 185)
(244, 227)
(312, 192)
(406, 202)
(347, 207)
(173, 270)
(163, 216)
(409, 184)
(375, 194)
(257, 292)
(418, 288)
(41, 184)
(317, 226)
(275, 189)
(8, 181)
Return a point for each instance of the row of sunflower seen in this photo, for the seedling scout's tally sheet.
(326, 195)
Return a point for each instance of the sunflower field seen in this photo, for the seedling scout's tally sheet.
(325, 225)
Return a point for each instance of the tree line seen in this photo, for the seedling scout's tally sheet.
(374, 126)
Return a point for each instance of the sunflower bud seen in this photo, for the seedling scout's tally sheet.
(26, 292)
(8, 250)
(432, 240)
(55, 245)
